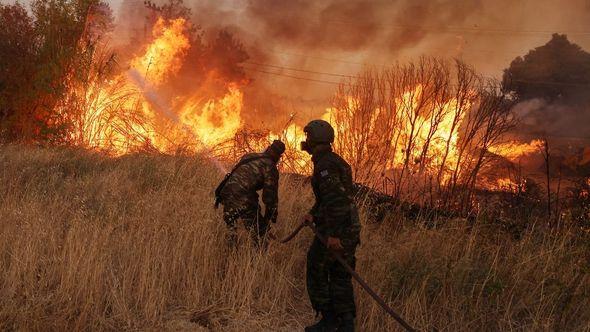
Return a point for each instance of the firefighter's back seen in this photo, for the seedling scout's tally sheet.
(240, 191)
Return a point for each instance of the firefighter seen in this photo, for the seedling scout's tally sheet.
(238, 192)
(335, 215)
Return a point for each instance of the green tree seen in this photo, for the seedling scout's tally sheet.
(41, 57)
(65, 28)
(18, 47)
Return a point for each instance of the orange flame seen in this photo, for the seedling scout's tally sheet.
(164, 56)
(217, 120)
(507, 184)
(120, 118)
(515, 150)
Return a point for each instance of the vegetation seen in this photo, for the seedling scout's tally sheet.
(42, 56)
(556, 71)
(421, 131)
(60, 78)
(129, 240)
(89, 242)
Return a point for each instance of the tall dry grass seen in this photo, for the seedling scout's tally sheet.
(93, 243)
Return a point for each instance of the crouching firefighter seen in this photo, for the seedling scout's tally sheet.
(238, 192)
(335, 216)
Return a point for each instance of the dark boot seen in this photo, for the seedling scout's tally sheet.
(328, 323)
(345, 323)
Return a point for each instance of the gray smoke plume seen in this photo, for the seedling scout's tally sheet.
(539, 118)
(344, 36)
(486, 33)
(341, 36)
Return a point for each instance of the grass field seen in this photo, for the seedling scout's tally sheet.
(95, 243)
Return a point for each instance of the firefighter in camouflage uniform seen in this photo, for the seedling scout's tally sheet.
(335, 215)
(239, 192)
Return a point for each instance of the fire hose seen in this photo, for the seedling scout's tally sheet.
(352, 272)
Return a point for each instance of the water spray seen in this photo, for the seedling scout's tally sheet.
(151, 95)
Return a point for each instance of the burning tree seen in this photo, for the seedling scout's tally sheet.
(174, 90)
(41, 54)
(420, 131)
(162, 102)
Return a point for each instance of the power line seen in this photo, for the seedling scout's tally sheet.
(357, 76)
(311, 79)
(294, 77)
(505, 55)
(326, 59)
(301, 70)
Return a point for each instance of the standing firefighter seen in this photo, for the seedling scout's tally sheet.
(238, 192)
(329, 285)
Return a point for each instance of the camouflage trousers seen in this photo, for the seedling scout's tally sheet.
(329, 285)
(253, 220)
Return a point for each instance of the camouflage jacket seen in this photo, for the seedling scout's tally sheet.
(240, 190)
(334, 211)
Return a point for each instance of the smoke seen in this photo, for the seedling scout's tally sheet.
(565, 126)
(307, 25)
(345, 36)
(356, 25)
(388, 30)
(539, 118)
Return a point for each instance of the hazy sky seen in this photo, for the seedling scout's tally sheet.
(300, 49)
(337, 35)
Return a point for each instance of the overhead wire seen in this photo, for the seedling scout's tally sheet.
(431, 29)
(349, 76)
(356, 76)
(294, 77)
(464, 51)
(300, 70)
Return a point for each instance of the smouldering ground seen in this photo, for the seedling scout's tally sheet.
(89, 242)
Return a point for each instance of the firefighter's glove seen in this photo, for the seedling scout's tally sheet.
(333, 243)
(308, 219)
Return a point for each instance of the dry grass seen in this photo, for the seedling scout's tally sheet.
(92, 243)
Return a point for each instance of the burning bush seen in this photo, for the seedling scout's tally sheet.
(95, 100)
(41, 55)
(580, 203)
(420, 130)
